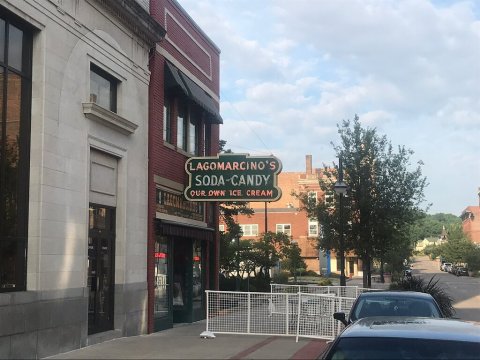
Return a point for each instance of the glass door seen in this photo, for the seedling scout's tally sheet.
(101, 256)
(162, 308)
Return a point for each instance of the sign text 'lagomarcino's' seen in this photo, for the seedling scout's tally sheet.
(233, 177)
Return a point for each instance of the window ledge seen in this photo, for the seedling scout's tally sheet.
(95, 112)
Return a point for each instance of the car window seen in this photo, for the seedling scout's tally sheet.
(394, 307)
(402, 348)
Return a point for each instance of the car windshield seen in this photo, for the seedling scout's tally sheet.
(401, 348)
(394, 306)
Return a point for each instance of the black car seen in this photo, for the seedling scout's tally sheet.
(461, 271)
(391, 303)
(406, 338)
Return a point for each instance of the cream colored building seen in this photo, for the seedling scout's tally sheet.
(83, 144)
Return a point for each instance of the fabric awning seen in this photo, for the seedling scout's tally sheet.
(174, 78)
(198, 95)
(170, 228)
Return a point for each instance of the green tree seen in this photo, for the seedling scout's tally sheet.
(428, 226)
(293, 260)
(383, 196)
(458, 246)
(230, 246)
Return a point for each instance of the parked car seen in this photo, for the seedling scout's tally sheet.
(445, 266)
(391, 303)
(452, 269)
(461, 271)
(406, 338)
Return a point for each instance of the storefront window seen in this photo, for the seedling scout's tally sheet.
(197, 275)
(161, 308)
(15, 98)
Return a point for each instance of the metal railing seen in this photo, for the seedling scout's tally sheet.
(282, 313)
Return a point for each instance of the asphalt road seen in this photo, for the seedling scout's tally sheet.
(463, 289)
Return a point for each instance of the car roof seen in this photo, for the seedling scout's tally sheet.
(413, 327)
(399, 294)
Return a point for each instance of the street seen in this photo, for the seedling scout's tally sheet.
(464, 290)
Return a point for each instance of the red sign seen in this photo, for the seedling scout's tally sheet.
(196, 258)
(160, 255)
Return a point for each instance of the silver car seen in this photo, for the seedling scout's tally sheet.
(406, 338)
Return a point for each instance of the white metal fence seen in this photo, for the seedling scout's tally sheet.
(282, 312)
(342, 291)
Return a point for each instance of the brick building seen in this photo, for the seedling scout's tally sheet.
(471, 222)
(284, 216)
(184, 122)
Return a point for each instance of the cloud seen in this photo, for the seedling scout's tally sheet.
(292, 70)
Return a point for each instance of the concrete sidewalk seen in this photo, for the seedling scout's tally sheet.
(184, 342)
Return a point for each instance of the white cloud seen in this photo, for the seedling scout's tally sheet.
(292, 70)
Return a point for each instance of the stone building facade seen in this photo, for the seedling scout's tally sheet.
(74, 184)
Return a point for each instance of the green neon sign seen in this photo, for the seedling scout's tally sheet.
(233, 177)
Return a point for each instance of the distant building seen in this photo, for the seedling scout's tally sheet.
(471, 222)
(285, 216)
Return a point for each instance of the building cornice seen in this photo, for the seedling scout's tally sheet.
(132, 15)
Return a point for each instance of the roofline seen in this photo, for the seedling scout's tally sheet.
(195, 25)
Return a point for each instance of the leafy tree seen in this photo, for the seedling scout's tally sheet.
(230, 239)
(268, 251)
(432, 225)
(458, 246)
(383, 196)
(473, 260)
(293, 259)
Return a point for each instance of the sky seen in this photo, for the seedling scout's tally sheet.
(292, 70)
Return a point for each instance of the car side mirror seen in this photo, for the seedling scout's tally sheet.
(340, 316)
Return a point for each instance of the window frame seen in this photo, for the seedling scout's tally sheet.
(283, 228)
(182, 137)
(315, 223)
(167, 118)
(113, 91)
(19, 238)
(249, 229)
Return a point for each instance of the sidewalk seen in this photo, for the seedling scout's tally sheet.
(184, 342)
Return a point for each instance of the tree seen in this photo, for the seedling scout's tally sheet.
(230, 239)
(432, 225)
(293, 259)
(382, 200)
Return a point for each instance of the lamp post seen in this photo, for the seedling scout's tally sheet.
(341, 189)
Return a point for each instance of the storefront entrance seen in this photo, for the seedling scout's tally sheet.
(179, 281)
(101, 254)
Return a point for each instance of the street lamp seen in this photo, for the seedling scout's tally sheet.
(341, 189)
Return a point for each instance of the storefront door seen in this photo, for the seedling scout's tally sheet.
(162, 312)
(101, 254)
(182, 281)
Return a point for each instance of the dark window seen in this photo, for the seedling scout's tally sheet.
(403, 348)
(103, 88)
(15, 108)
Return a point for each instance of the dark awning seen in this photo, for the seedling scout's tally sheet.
(175, 78)
(172, 78)
(198, 95)
(170, 228)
